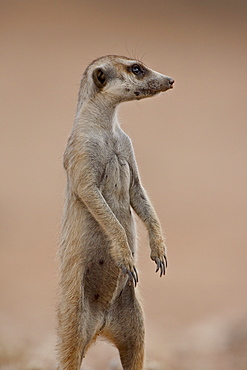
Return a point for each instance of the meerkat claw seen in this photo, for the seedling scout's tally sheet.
(165, 260)
(136, 274)
(163, 269)
(157, 261)
(132, 276)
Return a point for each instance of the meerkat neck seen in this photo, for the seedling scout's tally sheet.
(98, 112)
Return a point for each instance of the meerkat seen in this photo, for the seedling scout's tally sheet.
(98, 244)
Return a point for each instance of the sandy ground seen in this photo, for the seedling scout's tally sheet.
(190, 144)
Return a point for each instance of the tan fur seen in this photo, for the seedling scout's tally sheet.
(98, 246)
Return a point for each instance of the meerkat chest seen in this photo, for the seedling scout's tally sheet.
(115, 181)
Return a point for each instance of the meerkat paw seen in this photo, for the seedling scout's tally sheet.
(128, 268)
(124, 259)
(159, 257)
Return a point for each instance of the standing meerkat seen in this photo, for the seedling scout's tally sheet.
(98, 245)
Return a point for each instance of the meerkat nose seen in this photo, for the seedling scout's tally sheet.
(171, 81)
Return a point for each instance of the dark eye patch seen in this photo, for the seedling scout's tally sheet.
(138, 70)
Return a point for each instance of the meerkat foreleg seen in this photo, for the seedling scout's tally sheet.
(145, 211)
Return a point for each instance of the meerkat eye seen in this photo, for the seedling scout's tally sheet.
(137, 69)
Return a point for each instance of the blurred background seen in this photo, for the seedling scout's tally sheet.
(190, 145)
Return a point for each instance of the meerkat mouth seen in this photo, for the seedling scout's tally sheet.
(145, 93)
(149, 92)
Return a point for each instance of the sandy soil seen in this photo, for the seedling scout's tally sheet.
(190, 144)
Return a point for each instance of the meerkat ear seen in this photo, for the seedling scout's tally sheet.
(99, 77)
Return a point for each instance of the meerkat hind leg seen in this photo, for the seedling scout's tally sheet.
(76, 337)
(126, 329)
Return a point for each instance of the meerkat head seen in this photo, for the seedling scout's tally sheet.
(119, 79)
